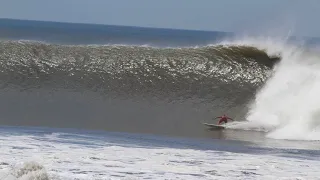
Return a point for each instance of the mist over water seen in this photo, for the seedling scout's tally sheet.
(289, 103)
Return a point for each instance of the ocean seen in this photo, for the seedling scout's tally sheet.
(86, 101)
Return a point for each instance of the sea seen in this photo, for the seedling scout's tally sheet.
(105, 102)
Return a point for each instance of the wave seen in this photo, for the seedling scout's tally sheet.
(276, 80)
(125, 87)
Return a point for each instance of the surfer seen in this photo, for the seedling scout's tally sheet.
(224, 119)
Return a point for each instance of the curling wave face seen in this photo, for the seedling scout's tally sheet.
(128, 88)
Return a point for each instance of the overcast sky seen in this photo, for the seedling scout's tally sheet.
(300, 16)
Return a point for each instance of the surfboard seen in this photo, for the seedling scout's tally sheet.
(214, 126)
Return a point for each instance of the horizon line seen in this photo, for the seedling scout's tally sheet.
(125, 26)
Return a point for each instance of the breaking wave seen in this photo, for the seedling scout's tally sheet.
(267, 84)
(108, 86)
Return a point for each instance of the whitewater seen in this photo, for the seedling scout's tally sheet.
(38, 154)
(287, 106)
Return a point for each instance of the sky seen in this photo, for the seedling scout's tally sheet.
(300, 17)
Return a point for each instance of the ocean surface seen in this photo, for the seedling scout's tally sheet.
(81, 101)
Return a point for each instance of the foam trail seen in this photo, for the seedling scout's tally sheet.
(289, 103)
(28, 171)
